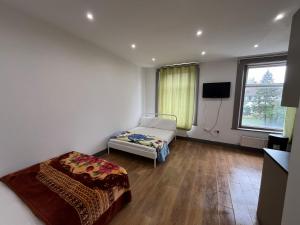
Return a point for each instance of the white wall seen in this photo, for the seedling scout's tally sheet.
(59, 93)
(223, 71)
(291, 215)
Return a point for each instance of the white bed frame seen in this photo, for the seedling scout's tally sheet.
(131, 147)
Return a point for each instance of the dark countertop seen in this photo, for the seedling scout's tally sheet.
(280, 157)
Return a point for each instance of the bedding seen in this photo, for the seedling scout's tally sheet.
(161, 128)
(72, 189)
(159, 123)
(160, 145)
(166, 135)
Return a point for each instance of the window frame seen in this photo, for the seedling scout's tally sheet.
(241, 78)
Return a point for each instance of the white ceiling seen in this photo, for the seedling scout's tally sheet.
(165, 29)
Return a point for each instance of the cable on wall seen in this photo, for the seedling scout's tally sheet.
(217, 119)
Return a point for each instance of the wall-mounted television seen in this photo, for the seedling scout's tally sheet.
(216, 90)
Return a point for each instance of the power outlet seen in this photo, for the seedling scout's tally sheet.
(206, 129)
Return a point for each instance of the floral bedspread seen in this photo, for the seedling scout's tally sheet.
(97, 168)
(91, 170)
(146, 140)
(73, 188)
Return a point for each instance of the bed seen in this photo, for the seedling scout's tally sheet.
(156, 125)
(72, 189)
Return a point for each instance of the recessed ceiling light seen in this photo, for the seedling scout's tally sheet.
(203, 53)
(280, 16)
(90, 16)
(199, 33)
(133, 46)
(153, 59)
(256, 46)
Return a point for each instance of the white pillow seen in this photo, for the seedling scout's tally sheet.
(165, 124)
(147, 121)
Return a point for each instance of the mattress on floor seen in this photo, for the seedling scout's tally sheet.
(73, 188)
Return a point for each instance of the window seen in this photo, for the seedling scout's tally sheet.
(258, 94)
(177, 90)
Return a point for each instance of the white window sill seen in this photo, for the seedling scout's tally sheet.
(259, 130)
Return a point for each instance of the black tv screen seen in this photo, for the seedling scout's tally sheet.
(216, 90)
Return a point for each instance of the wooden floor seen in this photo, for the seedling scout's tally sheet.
(199, 184)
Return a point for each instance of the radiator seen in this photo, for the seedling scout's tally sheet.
(253, 142)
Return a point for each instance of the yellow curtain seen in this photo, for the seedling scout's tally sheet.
(177, 93)
(289, 123)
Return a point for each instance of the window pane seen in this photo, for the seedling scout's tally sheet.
(266, 75)
(262, 108)
(262, 99)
